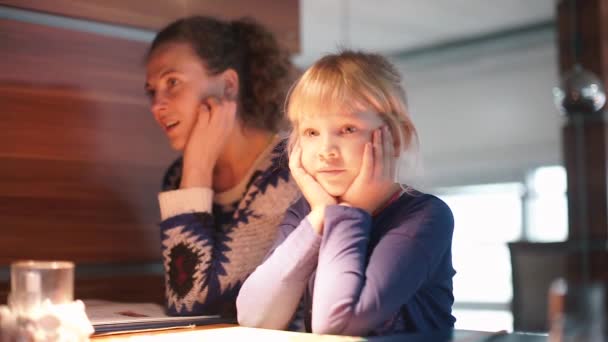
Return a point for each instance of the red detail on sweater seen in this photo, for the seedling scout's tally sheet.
(182, 275)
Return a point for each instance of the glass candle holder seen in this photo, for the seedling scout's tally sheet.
(36, 282)
(577, 312)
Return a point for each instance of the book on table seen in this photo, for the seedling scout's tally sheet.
(116, 317)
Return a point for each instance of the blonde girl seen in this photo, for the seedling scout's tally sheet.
(359, 253)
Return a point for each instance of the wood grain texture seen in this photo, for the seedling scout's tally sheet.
(281, 17)
(594, 171)
(583, 39)
(81, 157)
(122, 288)
(590, 36)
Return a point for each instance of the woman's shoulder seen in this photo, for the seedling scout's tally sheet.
(271, 186)
(274, 169)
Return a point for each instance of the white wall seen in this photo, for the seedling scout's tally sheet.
(485, 113)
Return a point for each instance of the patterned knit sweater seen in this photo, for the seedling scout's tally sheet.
(212, 242)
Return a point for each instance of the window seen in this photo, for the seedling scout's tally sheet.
(486, 218)
(547, 205)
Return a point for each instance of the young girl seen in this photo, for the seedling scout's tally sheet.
(363, 255)
(216, 89)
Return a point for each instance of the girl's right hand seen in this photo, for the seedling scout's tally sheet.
(314, 193)
(214, 122)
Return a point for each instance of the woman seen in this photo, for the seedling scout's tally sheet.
(216, 89)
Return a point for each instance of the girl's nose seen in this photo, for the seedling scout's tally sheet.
(328, 150)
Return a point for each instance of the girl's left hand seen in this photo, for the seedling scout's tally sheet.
(376, 180)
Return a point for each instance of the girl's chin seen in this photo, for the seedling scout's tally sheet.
(335, 191)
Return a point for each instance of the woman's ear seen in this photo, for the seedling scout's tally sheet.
(231, 84)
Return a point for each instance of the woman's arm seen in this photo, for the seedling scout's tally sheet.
(187, 240)
(206, 257)
(270, 296)
(352, 299)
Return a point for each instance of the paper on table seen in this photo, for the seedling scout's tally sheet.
(245, 334)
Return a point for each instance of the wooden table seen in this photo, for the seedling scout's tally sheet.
(223, 332)
(231, 332)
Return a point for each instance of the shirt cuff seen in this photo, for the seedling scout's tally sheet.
(182, 201)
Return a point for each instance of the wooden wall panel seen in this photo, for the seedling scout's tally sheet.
(281, 17)
(124, 288)
(81, 158)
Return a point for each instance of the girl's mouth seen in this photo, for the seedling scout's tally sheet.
(335, 172)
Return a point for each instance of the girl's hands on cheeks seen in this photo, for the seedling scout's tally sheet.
(314, 193)
(376, 180)
(214, 122)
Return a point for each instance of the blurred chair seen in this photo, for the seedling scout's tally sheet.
(534, 266)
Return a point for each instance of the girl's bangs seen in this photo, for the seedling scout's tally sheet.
(322, 95)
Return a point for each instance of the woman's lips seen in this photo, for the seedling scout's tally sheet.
(170, 126)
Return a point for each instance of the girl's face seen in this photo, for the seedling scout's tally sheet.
(176, 83)
(332, 146)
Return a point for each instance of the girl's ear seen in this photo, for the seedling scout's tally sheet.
(231, 84)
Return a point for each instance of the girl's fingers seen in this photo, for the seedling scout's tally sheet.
(389, 159)
(367, 164)
(294, 157)
(295, 166)
(378, 154)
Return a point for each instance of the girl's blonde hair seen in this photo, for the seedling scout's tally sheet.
(352, 81)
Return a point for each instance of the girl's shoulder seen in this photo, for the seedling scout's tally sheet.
(418, 206)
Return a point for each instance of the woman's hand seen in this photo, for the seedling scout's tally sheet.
(215, 120)
(376, 180)
(314, 193)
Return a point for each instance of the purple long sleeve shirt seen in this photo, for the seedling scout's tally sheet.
(365, 276)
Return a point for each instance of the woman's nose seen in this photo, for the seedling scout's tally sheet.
(159, 104)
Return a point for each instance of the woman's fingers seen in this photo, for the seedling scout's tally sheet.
(223, 113)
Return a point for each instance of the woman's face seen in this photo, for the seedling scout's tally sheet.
(176, 83)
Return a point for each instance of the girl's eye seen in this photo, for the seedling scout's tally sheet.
(309, 133)
(349, 130)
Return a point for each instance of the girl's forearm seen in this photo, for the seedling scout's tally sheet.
(270, 296)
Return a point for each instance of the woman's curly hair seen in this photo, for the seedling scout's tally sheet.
(263, 66)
